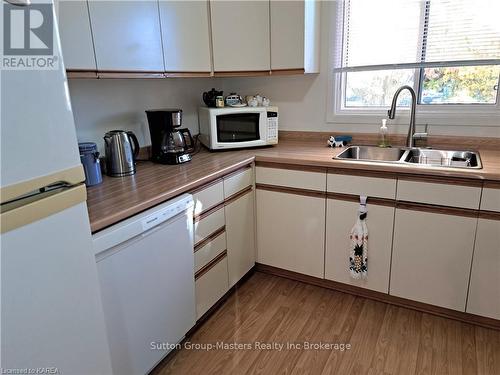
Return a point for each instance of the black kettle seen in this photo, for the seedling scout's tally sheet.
(210, 96)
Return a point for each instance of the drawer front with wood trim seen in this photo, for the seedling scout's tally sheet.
(438, 193)
(295, 178)
(210, 250)
(490, 200)
(208, 196)
(238, 181)
(211, 284)
(341, 216)
(291, 231)
(431, 257)
(484, 289)
(361, 185)
(207, 225)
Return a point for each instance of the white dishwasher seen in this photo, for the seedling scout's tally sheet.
(145, 266)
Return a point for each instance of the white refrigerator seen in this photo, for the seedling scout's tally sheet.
(51, 311)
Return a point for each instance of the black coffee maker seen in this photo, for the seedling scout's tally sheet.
(169, 143)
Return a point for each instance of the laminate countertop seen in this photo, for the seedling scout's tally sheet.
(119, 198)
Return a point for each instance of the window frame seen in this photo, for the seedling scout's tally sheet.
(435, 114)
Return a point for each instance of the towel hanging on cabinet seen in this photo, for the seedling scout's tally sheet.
(358, 257)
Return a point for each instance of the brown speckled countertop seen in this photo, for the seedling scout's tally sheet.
(118, 198)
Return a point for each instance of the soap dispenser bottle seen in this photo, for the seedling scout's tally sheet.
(384, 135)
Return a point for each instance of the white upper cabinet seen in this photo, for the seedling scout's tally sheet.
(186, 35)
(287, 34)
(127, 35)
(76, 36)
(240, 35)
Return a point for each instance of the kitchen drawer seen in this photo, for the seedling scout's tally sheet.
(209, 251)
(490, 200)
(211, 284)
(442, 194)
(237, 182)
(205, 226)
(362, 185)
(208, 197)
(300, 179)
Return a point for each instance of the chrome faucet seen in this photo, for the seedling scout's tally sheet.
(392, 112)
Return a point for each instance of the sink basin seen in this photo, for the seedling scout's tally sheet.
(372, 153)
(444, 158)
(416, 156)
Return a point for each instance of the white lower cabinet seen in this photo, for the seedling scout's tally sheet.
(211, 286)
(431, 259)
(340, 217)
(484, 289)
(240, 234)
(291, 231)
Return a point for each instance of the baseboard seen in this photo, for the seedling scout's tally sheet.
(381, 297)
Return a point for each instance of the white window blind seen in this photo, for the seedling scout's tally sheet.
(402, 34)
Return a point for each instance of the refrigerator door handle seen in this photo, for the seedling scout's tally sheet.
(21, 3)
(36, 207)
(70, 176)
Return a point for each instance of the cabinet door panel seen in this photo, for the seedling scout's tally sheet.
(287, 34)
(291, 232)
(484, 289)
(240, 232)
(211, 287)
(490, 200)
(240, 35)
(127, 35)
(341, 216)
(431, 257)
(185, 35)
(76, 36)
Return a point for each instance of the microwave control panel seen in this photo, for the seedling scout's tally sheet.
(272, 126)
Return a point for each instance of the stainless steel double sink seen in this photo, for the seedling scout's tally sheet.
(413, 156)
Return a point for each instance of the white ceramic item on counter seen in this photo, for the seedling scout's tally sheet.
(253, 102)
(258, 97)
(265, 102)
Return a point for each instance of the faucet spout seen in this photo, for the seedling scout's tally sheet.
(392, 112)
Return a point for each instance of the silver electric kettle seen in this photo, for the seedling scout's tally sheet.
(121, 149)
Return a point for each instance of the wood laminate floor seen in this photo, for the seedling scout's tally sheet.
(384, 339)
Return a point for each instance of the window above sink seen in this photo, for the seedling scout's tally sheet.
(453, 66)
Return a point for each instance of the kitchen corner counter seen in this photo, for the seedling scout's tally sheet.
(118, 198)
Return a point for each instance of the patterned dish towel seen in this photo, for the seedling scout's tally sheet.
(358, 257)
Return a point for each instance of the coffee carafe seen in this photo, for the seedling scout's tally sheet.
(169, 143)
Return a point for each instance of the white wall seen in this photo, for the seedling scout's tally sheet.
(102, 105)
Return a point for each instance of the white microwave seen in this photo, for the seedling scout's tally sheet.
(225, 128)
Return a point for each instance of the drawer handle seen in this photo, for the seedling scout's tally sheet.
(209, 238)
(210, 265)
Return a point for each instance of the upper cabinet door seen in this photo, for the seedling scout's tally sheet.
(127, 35)
(287, 34)
(186, 35)
(76, 36)
(240, 35)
